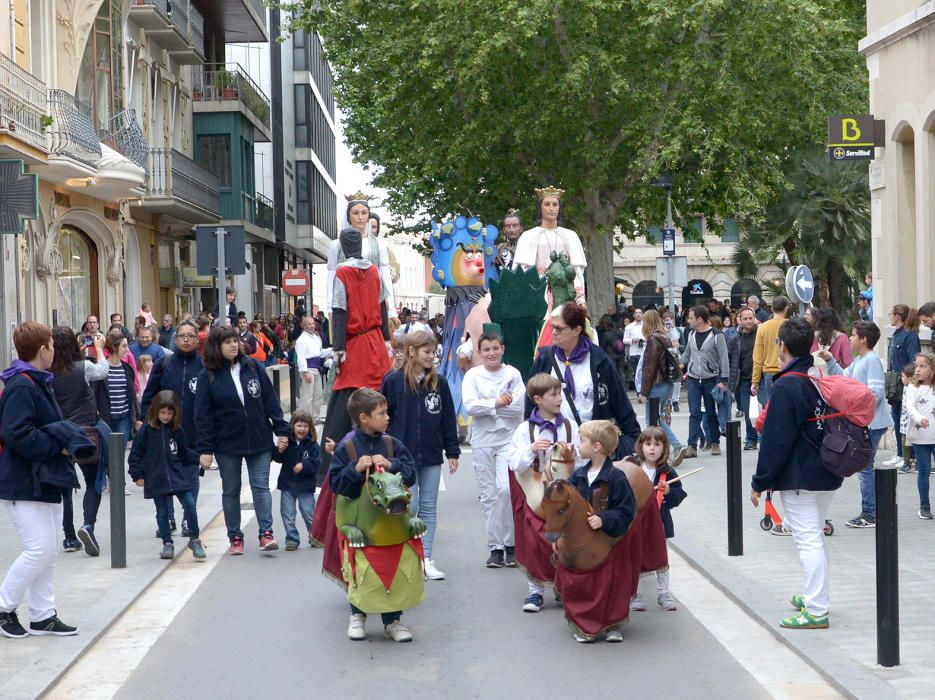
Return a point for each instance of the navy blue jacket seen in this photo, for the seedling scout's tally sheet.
(309, 455)
(426, 422)
(676, 495)
(904, 347)
(26, 408)
(225, 425)
(179, 373)
(610, 397)
(162, 458)
(342, 474)
(621, 504)
(786, 461)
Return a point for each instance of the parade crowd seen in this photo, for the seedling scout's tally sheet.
(194, 394)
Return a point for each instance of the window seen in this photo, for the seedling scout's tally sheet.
(731, 232)
(312, 129)
(100, 78)
(214, 154)
(654, 234)
(78, 282)
(694, 233)
(316, 204)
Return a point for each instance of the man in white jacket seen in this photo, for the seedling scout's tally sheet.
(309, 357)
(493, 394)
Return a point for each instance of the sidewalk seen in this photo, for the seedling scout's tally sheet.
(88, 592)
(763, 580)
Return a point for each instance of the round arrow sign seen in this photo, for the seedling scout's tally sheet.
(804, 284)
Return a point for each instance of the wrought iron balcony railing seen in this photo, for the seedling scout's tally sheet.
(125, 135)
(24, 105)
(229, 82)
(172, 174)
(72, 130)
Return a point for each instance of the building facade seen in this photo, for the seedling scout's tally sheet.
(901, 34)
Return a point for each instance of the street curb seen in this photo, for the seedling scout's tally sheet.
(115, 611)
(850, 678)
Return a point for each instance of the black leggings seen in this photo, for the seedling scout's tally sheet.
(91, 503)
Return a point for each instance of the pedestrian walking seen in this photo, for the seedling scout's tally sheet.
(908, 377)
(790, 464)
(706, 366)
(310, 355)
(493, 396)
(116, 397)
(423, 418)
(746, 338)
(724, 397)
(904, 346)
(868, 369)
(654, 452)
(830, 336)
(675, 336)
(298, 477)
(161, 463)
(236, 414)
(766, 351)
(634, 341)
(920, 400)
(35, 467)
(660, 372)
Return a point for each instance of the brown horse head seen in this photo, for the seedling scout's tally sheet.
(559, 506)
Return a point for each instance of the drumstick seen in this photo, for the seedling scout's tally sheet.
(683, 476)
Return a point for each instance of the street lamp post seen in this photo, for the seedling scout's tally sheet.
(665, 180)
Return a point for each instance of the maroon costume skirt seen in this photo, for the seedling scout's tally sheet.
(325, 533)
(533, 551)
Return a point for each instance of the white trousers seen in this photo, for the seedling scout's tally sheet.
(805, 513)
(492, 472)
(30, 576)
(310, 395)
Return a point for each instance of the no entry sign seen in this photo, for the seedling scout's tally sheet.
(295, 282)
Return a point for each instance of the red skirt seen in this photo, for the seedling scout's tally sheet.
(598, 599)
(533, 551)
(325, 533)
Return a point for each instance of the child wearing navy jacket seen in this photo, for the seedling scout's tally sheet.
(164, 466)
(297, 481)
(653, 450)
(423, 418)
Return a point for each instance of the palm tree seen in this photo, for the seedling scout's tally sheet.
(821, 218)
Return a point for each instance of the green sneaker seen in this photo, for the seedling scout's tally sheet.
(798, 602)
(805, 621)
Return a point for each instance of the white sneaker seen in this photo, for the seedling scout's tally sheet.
(357, 630)
(893, 461)
(431, 572)
(636, 603)
(398, 632)
(613, 636)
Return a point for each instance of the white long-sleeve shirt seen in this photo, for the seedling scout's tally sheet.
(919, 403)
(521, 457)
(480, 390)
(308, 345)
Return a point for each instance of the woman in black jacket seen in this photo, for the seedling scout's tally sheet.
(236, 413)
(34, 469)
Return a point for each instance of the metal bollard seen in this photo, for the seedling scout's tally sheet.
(654, 412)
(887, 540)
(116, 461)
(277, 384)
(734, 491)
(293, 387)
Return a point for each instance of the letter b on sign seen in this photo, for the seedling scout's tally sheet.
(849, 130)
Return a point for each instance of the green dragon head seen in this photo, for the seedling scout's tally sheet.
(388, 492)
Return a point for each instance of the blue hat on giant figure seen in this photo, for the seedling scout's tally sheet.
(463, 254)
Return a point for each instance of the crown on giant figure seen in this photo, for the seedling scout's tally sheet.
(550, 191)
(463, 252)
(358, 196)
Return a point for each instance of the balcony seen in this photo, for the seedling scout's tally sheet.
(254, 208)
(72, 132)
(228, 88)
(24, 119)
(237, 20)
(125, 135)
(179, 187)
(175, 25)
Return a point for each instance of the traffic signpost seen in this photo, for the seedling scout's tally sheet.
(800, 286)
(221, 251)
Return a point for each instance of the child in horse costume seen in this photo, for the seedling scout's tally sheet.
(381, 552)
(543, 449)
(607, 530)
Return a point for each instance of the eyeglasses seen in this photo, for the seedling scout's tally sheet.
(558, 329)
(187, 337)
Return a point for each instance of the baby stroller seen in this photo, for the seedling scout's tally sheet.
(773, 521)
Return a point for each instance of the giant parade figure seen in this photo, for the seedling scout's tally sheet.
(463, 257)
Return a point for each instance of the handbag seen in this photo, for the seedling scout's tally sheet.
(619, 347)
(893, 390)
(95, 437)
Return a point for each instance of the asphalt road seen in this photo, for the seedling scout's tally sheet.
(264, 626)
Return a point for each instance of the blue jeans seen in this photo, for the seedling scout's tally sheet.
(196, 489)
(663, 392)
(924, 464)
(743, 404)
(162, 514)
(120, 425)
(287, 501)
(723, 411)
(896, 411)
(425, 501)
(699, 389)
(258, 473)
(868, 498)
(766, 384)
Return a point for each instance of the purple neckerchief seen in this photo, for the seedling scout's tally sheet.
(581, 351)
(544, 424)
(19, 367)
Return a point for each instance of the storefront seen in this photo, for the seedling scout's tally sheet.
(77, 292)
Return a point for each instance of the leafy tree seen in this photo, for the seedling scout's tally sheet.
(820, 219)
(467, 106)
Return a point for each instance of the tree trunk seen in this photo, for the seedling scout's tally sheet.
(837, 284)
(599, 250)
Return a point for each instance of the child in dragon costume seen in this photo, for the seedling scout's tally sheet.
(381, 553)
